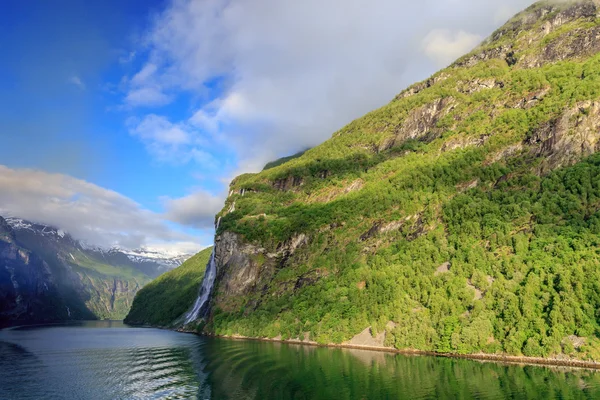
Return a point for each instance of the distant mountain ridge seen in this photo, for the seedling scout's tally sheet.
(151, 262)
(47, 275)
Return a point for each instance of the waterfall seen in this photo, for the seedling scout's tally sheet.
(205, 290)
(199, 309)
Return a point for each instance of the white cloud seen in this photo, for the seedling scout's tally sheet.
(444, 46)
(197, 210)
(87, 211)
(144, 89)
(292, 73)
(144, 75)
(75, 80)
(173, 143)
(146, 96)
(157, 129)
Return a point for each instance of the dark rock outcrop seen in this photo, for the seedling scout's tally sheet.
(27, 290)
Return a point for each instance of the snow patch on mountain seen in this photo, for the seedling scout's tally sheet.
(168, 259)
(163, 259)
(40, 229)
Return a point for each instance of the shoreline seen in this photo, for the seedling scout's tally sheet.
(497, 358)
(485, 357)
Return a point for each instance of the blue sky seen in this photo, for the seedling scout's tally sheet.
(59, 109)
(147, 109)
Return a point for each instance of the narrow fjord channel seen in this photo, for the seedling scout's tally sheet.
(109, 360)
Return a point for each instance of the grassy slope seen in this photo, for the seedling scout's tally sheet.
(102, 268)
(527, 245)
(167, 297)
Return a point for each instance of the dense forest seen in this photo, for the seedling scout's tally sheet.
(461, 217)
(514, 268)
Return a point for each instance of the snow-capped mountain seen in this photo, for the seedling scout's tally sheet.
(151, 262)
(39, 229)
(168, 259)
(48, 275)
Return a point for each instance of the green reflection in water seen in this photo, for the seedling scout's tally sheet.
(258, 370)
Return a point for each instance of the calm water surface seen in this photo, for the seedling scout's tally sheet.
(108, 360)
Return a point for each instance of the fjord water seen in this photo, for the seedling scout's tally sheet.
(108, 360)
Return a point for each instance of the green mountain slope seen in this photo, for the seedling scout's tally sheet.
(170, 295)
(458, 218)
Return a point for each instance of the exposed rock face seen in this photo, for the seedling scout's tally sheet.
(477, 294)
(532, 99)
(236, 270)
(381, 228)
(554, 15)
(566, 140)
(573, 44)
(505, 153)
(244, 268)
(421, 123)
(287, 183)
(366, 339)
(462, 187)
(443, 269)
(112, 296)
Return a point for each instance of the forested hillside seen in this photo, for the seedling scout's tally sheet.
(462, 217)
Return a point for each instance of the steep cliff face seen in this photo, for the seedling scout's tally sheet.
(245, 270)
(27, 290)
(109, 297)
(461, 217)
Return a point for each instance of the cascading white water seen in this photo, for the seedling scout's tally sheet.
(205, 290)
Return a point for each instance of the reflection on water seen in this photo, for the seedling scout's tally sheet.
(104, 360)
(256, 370)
